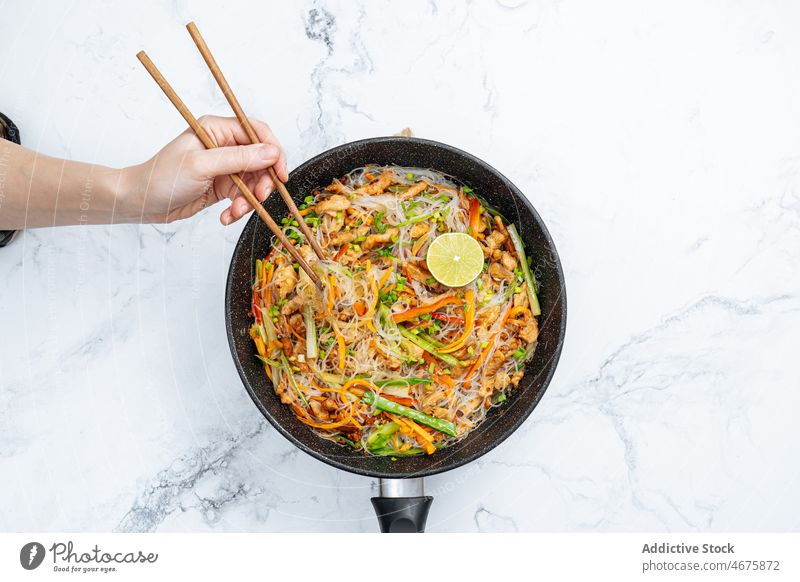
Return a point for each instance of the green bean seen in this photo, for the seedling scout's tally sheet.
(427, 346)
(526, 270)
(386, 405)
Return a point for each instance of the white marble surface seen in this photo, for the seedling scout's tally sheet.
(660, 143)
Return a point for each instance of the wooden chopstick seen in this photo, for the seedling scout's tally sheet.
(209, 143)
(251, 134)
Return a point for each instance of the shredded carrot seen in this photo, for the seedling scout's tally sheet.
(270, 272)
(360, 308)
(342, 348)
(369, 176)
(468, 326)
(423, 309)
(426, 441)
(306, 211)
(274, 345)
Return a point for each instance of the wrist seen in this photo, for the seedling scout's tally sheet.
(129, 187)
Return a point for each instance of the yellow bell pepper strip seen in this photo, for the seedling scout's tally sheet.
(469, 325)
(423, 309)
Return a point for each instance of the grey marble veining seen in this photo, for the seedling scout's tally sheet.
(659, 144)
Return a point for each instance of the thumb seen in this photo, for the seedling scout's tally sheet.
(234, 159)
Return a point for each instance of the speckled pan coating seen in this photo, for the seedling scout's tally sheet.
(502, 195)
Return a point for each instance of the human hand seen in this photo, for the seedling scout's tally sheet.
(184, 178)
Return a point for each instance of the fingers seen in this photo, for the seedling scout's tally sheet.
(221, 161)
(265, 135)
(261, 185)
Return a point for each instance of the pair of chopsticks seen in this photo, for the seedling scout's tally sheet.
(251, 134)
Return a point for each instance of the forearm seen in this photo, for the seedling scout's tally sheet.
(37, 190)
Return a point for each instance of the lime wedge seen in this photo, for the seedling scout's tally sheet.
(455, 259)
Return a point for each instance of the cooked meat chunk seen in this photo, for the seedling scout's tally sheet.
(419, 229)
(418, 273)
(337, 187)
(521, 298)
(374, 240)
(489, 315)
(294, 304)
(285, 279)
(377, 186)
(332, 204)
(516, 377)
(492, 242)
(528, 328)
(494, 363)
(297, 323)
(413, 190)
(392, 362)
(498, 271)
(349, 236)
(318, 410)
(508, 260)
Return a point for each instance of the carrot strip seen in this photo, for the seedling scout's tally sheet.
(342, 348)
(468, 327)
(423, 309)
(331, 291)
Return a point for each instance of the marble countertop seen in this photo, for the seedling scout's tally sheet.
(660, 145)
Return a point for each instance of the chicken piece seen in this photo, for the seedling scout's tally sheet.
(374, 240)
(413, 190)
(493, 242)
(508, 260)
(501, 380)
(332, 204)
(284, 279)
(417, 273)
(349, 236)
(494, 363)
(392, 362)
(308, 255)
(489, 315)
(330, 405)
(294, 304)
(385, 180)
(521, 298)
(528, 328)
(441, 412)
(296, 322)
(516, 377)
(318, 410)
(419, 229)
(337, 187)
(498, 272)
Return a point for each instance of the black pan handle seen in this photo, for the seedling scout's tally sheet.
(402, 506)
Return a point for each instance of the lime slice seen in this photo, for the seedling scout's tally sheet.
(455, 259)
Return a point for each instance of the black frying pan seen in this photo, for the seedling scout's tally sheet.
(403, 511)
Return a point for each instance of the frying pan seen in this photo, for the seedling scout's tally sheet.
(402, 505)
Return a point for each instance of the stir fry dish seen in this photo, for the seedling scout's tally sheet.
(426, 320)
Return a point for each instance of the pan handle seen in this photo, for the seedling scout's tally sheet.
(402, 506)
